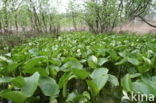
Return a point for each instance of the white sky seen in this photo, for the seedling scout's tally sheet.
(63, 4)
(60, 5)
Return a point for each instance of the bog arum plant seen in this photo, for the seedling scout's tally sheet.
(78, 68)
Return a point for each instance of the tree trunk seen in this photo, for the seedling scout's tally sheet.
(6, 18)
(16, 24)
(44, 22)
(74, 21)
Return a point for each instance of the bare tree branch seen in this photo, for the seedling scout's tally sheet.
(146, 21)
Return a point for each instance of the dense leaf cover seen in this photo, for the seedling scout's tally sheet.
(77, 67)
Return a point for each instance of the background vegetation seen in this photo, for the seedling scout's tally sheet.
(44, 16)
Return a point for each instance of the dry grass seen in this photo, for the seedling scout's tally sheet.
(140, 28)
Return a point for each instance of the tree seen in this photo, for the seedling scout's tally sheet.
(105, 15)
(15, 5)
(102, 15)
(74, 10)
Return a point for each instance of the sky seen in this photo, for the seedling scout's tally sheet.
(60, 5)
(63, 5)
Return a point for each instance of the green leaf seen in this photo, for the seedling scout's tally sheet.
(65, 78)
(42, 71)
(100, 81)
(135, 75)
(33, 66)
(87, 95)
(143, 68)
(32, 62)
(2, 58)
(15, 96)
(99, 72)
(12, 66)
(55, 61)
(72, 65)
(123, 54)
(92, 61)
(140, 87)
(49, 86)
(93, 87)
(53, 70)
(81, 73)
(18, 81)
(150, 85)
(147, 60)
(133, 61)
(113, 55)
(153, 78)
(31, 84)
(100, 77)
(6, 79)
(71, 97)
(121, 62)
(113, 80)
(126, 83)
(102, 61)
(53, 100)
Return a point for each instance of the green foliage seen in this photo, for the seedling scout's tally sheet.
(78, 68)
(15, 96)
(31, 84)
(49, 86)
